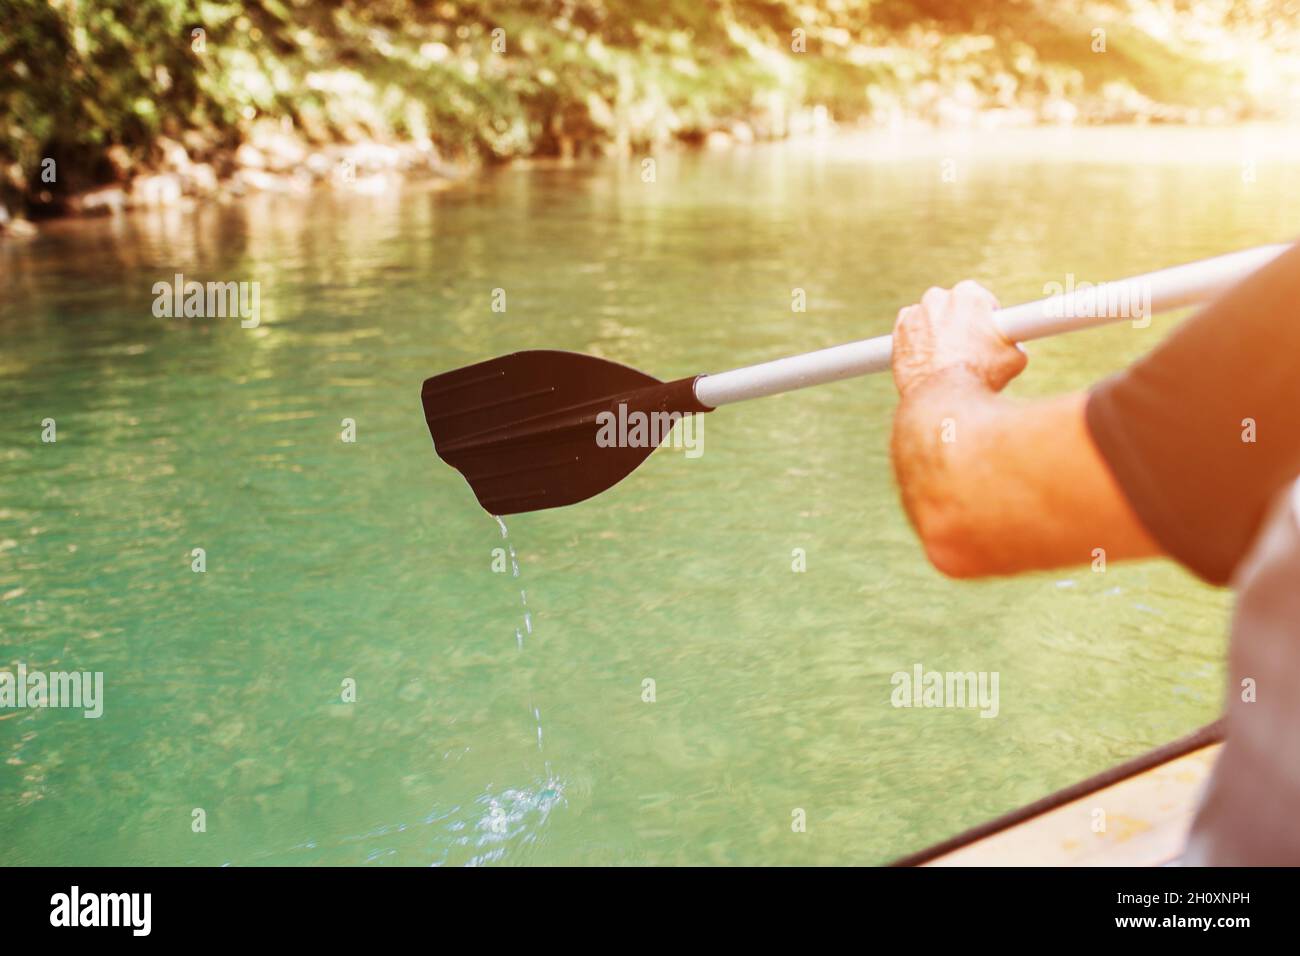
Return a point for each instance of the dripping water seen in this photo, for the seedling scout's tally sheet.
(514, 805)
(527, 621)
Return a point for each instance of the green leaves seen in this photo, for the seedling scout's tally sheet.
(494, 79)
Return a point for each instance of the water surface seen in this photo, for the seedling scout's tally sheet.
(369, 561)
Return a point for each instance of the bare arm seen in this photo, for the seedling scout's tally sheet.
(993, 485)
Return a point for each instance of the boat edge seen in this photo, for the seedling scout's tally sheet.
(1211, 733)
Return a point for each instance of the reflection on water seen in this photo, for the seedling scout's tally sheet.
(330, 561)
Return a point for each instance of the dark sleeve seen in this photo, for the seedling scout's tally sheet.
(1173, 428)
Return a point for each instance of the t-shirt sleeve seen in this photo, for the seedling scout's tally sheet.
(1203, 432)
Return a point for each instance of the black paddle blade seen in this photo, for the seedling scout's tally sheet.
(523, 429)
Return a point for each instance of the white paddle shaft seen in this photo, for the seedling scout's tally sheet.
(1134, 299)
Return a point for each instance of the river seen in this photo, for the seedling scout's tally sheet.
(681, 694)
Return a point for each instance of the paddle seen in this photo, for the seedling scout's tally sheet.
(541, 429)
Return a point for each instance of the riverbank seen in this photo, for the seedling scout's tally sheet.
(270, 160)
(172, 101)
(276, 162)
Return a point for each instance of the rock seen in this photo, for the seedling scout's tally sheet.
(1060, 111)
(717, 139)
(280, 148)
(200, 179)
(435, 52)
(249, 156)
(105, 201)
(160, 189)
(1004, 117)
(372, 157)
(17, 228)
(256, 180)
(283, 152)
(375, 184)
(259, 180)
(419, 154)
(120, 159)
(955, 111)
(174, 155)
(319, 165)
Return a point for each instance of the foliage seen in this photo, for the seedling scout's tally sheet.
(94, 84)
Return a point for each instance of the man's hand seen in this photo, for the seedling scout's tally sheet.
(952, 332)
(995, 486)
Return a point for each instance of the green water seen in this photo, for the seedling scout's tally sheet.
(369, 561)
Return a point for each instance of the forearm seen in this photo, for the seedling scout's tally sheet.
(996, 486)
